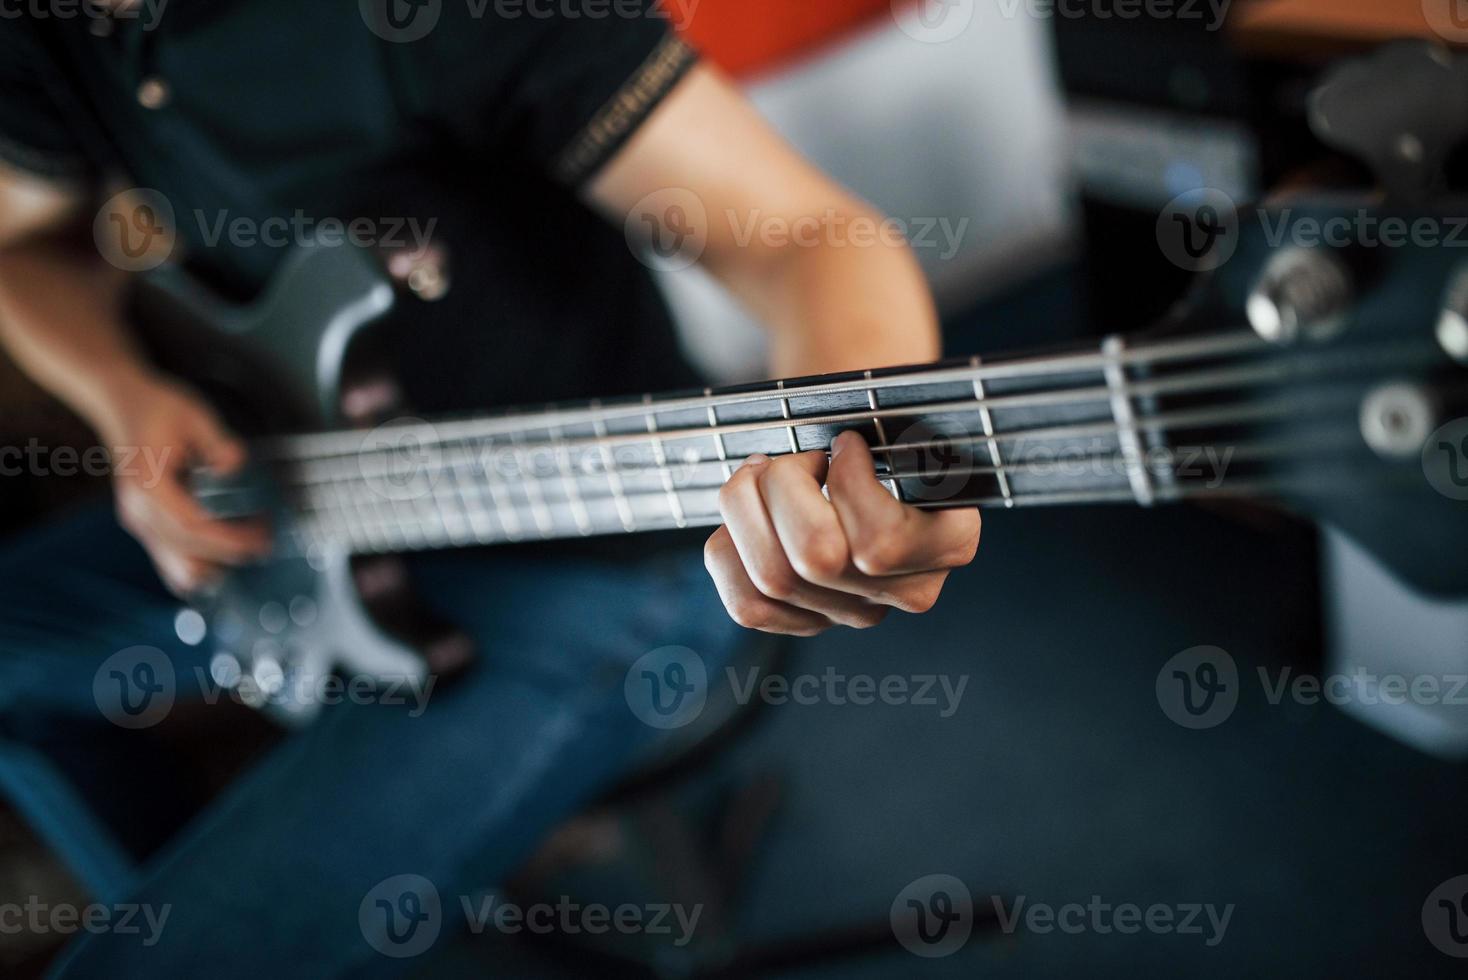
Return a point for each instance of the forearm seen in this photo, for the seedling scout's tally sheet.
(61, 320)
(844, 307)
(815, 264)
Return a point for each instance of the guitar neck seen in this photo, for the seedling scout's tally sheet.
(1108, 423)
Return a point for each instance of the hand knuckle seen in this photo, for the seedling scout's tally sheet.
(920, 599)
(820, 556)
(776, 580)
(765, 478)
(877, 556)
(713, 551)
(865, 619)
(732, 488)
(749, 612)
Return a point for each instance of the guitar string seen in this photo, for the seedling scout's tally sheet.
(382, 515)
(1157, 423)
(308, 445)
(381, 458)
(574, 482)
(324, 520)
(1196, 380)
(322, 533)
(1172, 465)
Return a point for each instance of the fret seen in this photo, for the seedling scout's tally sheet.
(330, 501)
(568, 480)
(504, 506)
(467, 490)
(368, 504)
(382, 520)
(876, 420)
(486, 495)
(661, 459)
(530, 485)
(425, 494)
(424, 511)
(719, 446)
(987, 421)
(1112, 349)
(450, 507)
(614, 478)
(785, 414)
(893, 487)
(333, 503)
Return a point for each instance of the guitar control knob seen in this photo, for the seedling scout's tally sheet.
(1302, 292)
(1452, 323)
(1396, 419)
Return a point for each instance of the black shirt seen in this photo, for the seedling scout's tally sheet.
(482, 129)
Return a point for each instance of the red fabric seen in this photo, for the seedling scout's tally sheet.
(748, 36)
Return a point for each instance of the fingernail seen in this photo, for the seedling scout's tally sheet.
(839, 443)
(756, 459)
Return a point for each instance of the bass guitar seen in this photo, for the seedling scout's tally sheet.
(1329, 381)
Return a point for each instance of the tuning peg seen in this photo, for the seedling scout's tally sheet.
(1401, 110)
(1302, 293)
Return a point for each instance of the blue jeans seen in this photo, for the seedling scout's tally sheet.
(271, 878)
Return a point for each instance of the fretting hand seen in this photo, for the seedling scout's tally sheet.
(788, 560)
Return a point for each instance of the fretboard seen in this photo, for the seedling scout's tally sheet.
(1111, 423)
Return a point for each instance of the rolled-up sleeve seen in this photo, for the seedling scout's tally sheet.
(35, 135)
(561, 86)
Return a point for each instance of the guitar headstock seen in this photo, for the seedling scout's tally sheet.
(1358, 414)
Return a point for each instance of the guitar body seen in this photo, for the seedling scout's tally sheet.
(298, 359)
